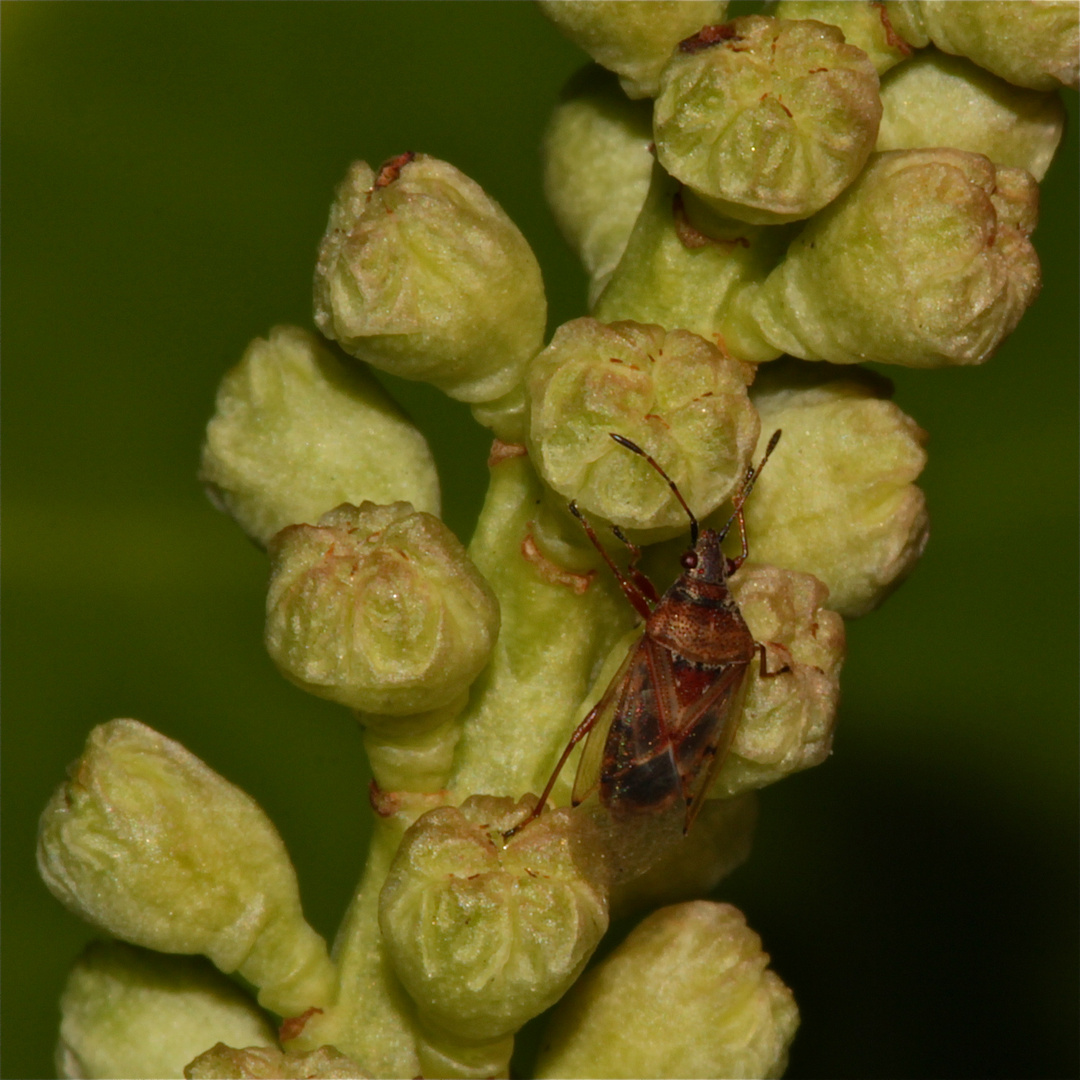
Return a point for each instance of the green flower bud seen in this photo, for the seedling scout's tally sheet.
(787, 719)
(940, 100)
(485, 935)
(633, 38)
(296, 433)
(127, 1012)
(865, 25)
(924, 261)
(378, 608)
(597, 162)
(768, 119)
(672, 393)
(714, 1007)
(687, 267)
(1029, 44)
(422, 274)
(718, 843)
(146, 842)
(223, 1062)
(839, 500)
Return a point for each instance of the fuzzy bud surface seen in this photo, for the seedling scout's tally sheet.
(924, 261)
(422, 274)
(673, 393)
(633, 38)
(147, 843)
(378, 608)
(128, 1012)
(223, 1062)
(1034, 44)
(788, 718)
(715, 1007)
(767, 119)
(839, 499)
(296, 433)
(941, 100)
(485, 935)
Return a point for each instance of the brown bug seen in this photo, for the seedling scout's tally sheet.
(664, 725)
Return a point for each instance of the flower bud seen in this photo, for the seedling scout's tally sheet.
(128, 1012)
(924, 261)
(223, 1062)
(695, 864)
(941, 100)
(672, 393)
(146, 842)
(597, 162)
(1030, 44)
(485, 935)
(838, 499)
(865, 25)
(378, 608)
(422, 274)
(787, 718)
(686, 267)
(767, 119)
(296, 433)
(715, 1009)
(633, 38)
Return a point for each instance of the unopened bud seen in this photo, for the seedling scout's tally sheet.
(146, 842)
(838, 499)
(924, 261)
(1031, 44)
(129, 1012)
(296, 433)
(788, 716)
(224, 1062)
(597, 163)
(422, 274)
(378, 608)
(633, 38)
(941, 100)
(673, 394)
(767, 119)
(485, 934)
(864, 24)
(715, 1007)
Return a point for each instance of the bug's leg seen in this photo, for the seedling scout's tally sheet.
(580, 732)
(763, 657)
(632, 590)
(640, 580)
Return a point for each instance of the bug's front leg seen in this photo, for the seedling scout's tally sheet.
(640, 590)
(639, 579)
(579, 733)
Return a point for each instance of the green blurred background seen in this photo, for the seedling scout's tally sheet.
(167, 173)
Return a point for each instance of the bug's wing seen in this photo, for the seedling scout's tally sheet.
(588, 772)
(706, 730)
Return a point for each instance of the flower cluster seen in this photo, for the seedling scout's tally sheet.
(761, 206)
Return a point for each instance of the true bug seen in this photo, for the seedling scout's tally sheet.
(663, 727)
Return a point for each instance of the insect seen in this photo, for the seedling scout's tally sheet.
(660, 732)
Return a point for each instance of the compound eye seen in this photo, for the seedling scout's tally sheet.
(688, 560)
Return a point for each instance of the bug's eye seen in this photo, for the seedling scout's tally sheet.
(688, 559)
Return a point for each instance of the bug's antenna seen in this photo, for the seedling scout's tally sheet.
(622, 440)
(748, 485)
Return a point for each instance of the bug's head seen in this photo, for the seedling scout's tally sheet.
(705, 560)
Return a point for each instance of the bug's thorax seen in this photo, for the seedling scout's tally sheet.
(698, 617)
